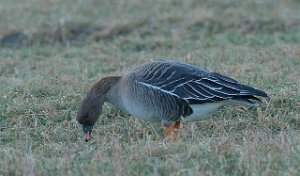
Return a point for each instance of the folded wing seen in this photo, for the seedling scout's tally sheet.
(195, 85)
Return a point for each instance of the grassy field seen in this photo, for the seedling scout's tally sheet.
(53, 50)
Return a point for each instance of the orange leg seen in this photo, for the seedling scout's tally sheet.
(173, 131)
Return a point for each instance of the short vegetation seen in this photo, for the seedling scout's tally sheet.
(52, 51)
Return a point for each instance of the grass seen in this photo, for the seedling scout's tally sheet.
(52, 51)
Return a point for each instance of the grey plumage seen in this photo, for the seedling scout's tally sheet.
(166, 91)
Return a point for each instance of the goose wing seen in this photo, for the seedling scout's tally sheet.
(193, 84)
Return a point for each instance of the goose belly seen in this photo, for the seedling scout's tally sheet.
(200, 111)
(141, 111)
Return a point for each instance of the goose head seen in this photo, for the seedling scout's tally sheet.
(90, 107)
(88, 113)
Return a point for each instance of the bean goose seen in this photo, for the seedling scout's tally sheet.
(164, 91)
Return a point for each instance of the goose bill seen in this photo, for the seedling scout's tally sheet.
(87, 130)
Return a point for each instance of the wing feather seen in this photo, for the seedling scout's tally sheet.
(193, 84)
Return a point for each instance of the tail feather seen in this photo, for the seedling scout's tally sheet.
(248, 99)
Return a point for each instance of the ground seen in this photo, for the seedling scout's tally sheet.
(52, 51)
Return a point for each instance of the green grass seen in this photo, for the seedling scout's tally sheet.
(52, 51)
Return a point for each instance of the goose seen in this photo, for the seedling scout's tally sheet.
(167, 92)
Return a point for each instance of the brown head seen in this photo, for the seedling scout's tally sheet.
(90, 107)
